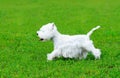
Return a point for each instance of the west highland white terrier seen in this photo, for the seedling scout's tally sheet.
(67, 46)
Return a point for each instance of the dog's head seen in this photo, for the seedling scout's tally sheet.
(47, 32)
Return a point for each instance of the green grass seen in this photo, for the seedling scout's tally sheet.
(23, 56)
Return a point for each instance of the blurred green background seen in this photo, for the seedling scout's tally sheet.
(22, 55)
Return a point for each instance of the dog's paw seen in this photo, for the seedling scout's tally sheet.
(97, 57)
(49, 57)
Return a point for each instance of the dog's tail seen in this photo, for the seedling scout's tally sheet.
(91, 31)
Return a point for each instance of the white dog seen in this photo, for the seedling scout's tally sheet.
(76, 46)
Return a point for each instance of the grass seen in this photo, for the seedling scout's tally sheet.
(23, 56)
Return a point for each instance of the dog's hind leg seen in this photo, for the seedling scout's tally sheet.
(96, 52)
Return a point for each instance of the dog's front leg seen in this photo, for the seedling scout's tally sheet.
(52, 55)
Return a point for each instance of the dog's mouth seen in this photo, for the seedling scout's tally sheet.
(41, 39)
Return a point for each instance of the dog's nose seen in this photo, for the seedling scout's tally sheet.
(37, 33)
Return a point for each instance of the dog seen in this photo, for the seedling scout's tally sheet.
(68, 46)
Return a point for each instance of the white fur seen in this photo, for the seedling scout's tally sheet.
(76, 46)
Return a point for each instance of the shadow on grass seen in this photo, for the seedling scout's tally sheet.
(89, 57)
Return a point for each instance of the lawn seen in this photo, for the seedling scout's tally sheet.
(22, 55)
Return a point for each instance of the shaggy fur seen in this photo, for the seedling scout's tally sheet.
(76, 46)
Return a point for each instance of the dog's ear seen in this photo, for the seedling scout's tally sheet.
(53, 26)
